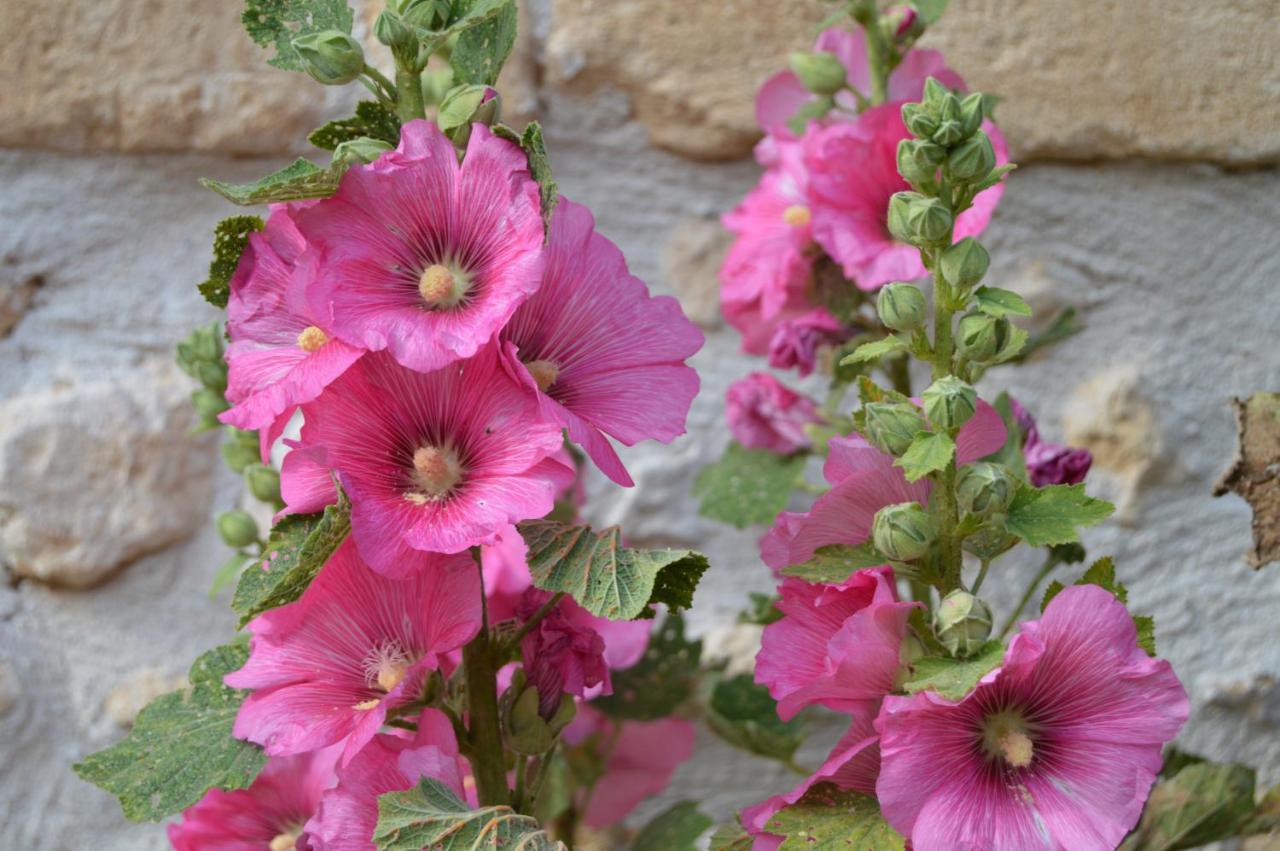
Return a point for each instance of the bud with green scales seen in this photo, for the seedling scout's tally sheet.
(962, 622)
(964, 264)
(973, 158)
(949, 402)
(985, 488)
(237, 529)
(330, 57)
(820, 72)
(361, 150)
(904, 532)
(391, 30)
(891, 426)
(263, 482)
(901, 306)
(981, 337)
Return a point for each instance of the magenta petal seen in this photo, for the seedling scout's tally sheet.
(644, 756)
(778, 99)
(982, 435)
(306, 482)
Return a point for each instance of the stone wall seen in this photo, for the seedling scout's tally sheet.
(113, 109)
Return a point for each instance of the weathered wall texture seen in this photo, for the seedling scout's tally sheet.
(105, 499)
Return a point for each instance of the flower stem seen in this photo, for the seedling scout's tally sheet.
(877, 60)
(488, 759)
(1050, 562)
(409, 100)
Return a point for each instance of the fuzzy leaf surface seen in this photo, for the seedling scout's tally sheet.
(372, 119)
(230, 238)
(929, 451)
(834, 563)
(746, 716)
(954, 678)
(431, 816)
(482, 50)
(831, 819)
(1051, 515)
(997, 302)
(731, 837)
(535, 148)
(747, 486)
(276, 23)
(875, 350)
(299, 180)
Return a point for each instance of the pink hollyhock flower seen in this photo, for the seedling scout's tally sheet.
(783, 93)
(639, 759)
(1049, 463)
(605, 356)
(329, 666)
(764, 413)
(433, 462)
(854, 764)
(835, 645)
(281, 354)
(795, 342)
(269, 814)
(863, 480)
(422, 256)
(560, 656)
(853, 173)
(1055, 750)
(391, 762)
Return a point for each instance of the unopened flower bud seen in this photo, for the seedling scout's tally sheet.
(949, 132)
(990, 541)
(901, 307)
(973, 158)
(331, 57)
(490, 108)
(527, 731)
(962, 623)
(820, 72)
(237, 528)
(899, 207)
(904, 22)
(934, 94)
(919, 120)
(971, 113)
(208, 403)
(949, 402)
(891, 426)
(391, 30)
(431, 15)
(361, 150)
(965, 263)
(915, 160)
(985, 488)
(928, 221)
(263, 482)
(238, 454)
(904, 532)
(981, 337)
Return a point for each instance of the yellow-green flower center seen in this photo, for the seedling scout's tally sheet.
(1006, 736)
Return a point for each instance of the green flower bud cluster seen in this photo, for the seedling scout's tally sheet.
(200, 356)
(962, 622)
(948, 135)
(891, 426)
(330, 57)
(390, 29)
(918, 219)
(904, 532)
(949, 403)
(901, 307)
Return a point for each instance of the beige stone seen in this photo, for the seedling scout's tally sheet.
(127, 699)
(98, 474)
(1084, 79)
(690, 267)
(141, 75)
(1253, 475)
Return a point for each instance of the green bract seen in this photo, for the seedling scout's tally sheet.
(904, 531)
(330, 57)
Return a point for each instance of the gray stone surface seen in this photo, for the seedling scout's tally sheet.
(1172, 266)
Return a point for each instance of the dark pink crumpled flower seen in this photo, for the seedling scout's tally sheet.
(561, 656)
(795, 342)
(763, 413)
(1049, 463)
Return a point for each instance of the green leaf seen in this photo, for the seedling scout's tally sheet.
(1266, 817)
(876, 350)
(675, 829)
(831, 819)
(1062, 326)
(276, 23)
(1146, 626)
(296, 181)
(372, 119)
(1050, 515)
(929, 451)
(230, 238)
(869, 391)
(731, 837)
(297, 548)
(1010, 455)
(481, 50)
(763, 610)
(930, 10)
(997, 302)
(1176, 759)
(834, 563)
(431, 816)
(180, 745)
(540, 168)
(998, 173)
(1203, 803)
(954, 678)
(747, 486)
(661, 681)
(744, 715)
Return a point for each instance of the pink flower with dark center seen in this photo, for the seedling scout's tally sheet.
(433, 462)
(328, 667)
(836, 645)
(605, 356)
(853, 173)
(863, 480)
(1049, 463)
(764, 413)
(422, 256)
(267, 816)
(560, 656)
(1055, 750)
(795, 342)
(280, 356)
(391, 762)
(783, 93)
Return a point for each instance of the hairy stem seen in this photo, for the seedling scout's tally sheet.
(409, 101)
(943, 364)
(1051, 561)
(488, 758)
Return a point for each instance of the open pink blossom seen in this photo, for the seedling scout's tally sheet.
(433, 462)
(281, 354)
(639, 759)
(605, 356)
(1055, 750)
(391, 762)
(863, 480)
(783, 93)
(1049, 463)
(854, 763)
(853, 173)
(764, 413)
(795, 342)
(422, 256)
(835, 644)
(329, 666)
(270, 813)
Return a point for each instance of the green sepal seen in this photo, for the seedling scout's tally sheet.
(834, 563)
(431, 816)
(661, 682)
(1065, 324)
(1013, 345)
(299, 180)
(747, 486)
(829, 818)
(230, 238)
(482, 49)
(276, 23)
(954, 678)
(181, 745)
(1051, 515)
(929, 452)
(372, 120)
(676, 828)
(746, 716)
(997, 302)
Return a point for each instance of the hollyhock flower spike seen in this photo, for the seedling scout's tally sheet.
(281, 355)
(1055, 750)
(328, 667)
(269, 814)
(605, 357)
(392, 762)
(433, 462)
(422, 256)
(764, 413)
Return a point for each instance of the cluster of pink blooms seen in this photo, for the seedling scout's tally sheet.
(439, 347)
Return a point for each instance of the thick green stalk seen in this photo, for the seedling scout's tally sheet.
(878, 61)
(487, 756)
(943, 365)
(409, 101)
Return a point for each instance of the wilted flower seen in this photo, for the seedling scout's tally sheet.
(763, 413)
